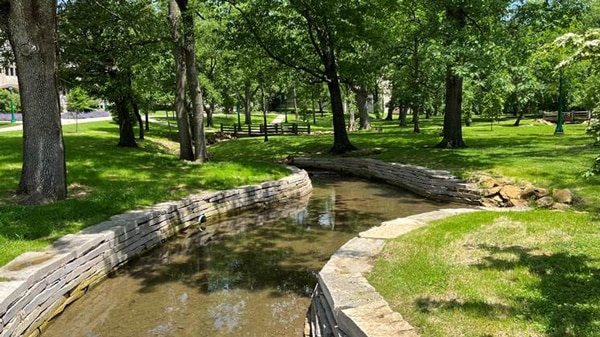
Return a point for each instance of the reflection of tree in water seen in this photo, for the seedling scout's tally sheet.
(327, 212)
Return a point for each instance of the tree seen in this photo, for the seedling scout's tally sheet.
(31, 27)
(320, 38)
(78, 100)
(100, 52)
(192, 139)
(464, 27)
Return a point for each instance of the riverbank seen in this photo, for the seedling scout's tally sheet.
(37, 286)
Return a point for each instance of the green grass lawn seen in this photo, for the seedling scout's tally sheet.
(497, 274)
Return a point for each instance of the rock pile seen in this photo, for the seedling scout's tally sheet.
(501, 192)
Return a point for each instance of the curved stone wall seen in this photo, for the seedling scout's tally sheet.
(344, 304)
(433, 184)
(37, 286)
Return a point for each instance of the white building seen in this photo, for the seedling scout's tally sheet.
(8, 77)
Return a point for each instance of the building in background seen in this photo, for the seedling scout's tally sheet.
(8, 76)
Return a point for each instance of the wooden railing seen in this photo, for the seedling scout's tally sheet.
(271, 129)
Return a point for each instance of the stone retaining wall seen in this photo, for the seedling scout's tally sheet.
(433, 184)
(344, 304)
(37, 286)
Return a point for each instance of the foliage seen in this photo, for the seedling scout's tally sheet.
(78, 100)
(6, 97)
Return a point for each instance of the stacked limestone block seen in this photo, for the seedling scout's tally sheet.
(37, 286)
(344, 304)
(433, 184)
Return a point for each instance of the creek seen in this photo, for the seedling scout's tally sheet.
(249, 274)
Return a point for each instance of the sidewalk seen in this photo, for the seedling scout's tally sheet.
(279, 119)
(19, 126)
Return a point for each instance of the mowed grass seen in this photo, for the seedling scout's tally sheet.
(497, 274)
(105, 180)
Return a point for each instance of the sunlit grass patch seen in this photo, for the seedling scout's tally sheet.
(497, 274)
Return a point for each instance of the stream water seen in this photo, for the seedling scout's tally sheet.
(247, 275)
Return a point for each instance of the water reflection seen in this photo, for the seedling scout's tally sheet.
(247, 275)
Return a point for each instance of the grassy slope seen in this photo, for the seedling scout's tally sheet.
(497, 274)
(105, 180)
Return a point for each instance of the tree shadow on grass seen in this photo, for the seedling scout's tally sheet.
(567, 295)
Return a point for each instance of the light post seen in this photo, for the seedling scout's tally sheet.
(13, 119)
(560, 118)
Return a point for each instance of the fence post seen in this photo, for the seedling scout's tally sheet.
(308, 130)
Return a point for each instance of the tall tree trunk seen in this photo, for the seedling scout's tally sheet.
(264, 108)
(138, 116)
(416, 120)
(31, 27)
(186, 151)
(341, 142)
(361, 95)
(209, 114)
(452, 118)
(248, 93)
(453, 110)
(295, 102)
(402, 117)
(126, 134)
(321, 107)
(189, 39)
(390, 111)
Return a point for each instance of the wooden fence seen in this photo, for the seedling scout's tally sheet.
(568, 116)
(271, 129)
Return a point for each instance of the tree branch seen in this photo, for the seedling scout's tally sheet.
(267, 50)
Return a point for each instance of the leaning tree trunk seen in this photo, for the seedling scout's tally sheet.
(31, 27)
(341, 142)
(452, 118)
(186, 151)
(138, 117)
(201, 154)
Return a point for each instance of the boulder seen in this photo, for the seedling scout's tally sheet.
(487, 202)
(564, 196)
(518, 203)
(560, 207)
(509, 192)
(488, 182)
(540, 193)
(528, 191)
(491, 192)
(545, 202)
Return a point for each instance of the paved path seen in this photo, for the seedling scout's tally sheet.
(19, 126)
(279, 119)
